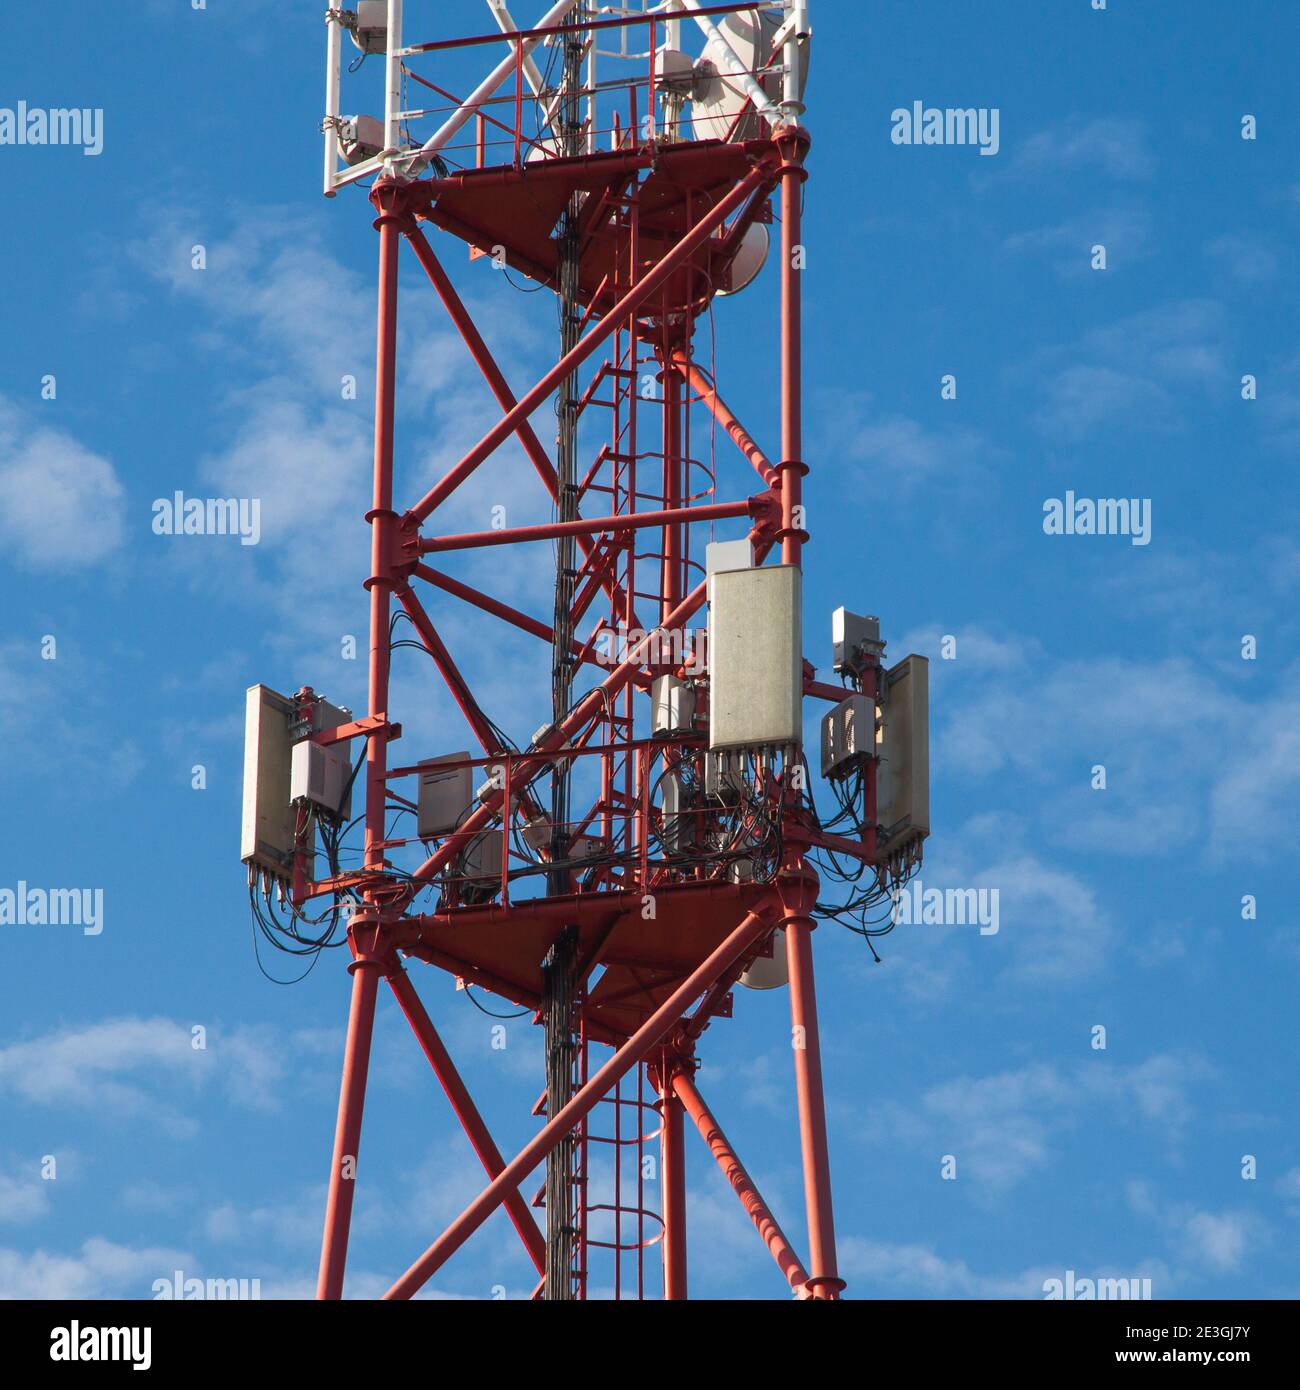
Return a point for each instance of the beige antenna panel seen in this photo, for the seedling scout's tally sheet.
(756, 658)
(903, 778)
(268, 819)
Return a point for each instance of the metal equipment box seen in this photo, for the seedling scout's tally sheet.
(320, 773)
(446, 793)
(855, 638)
(672, 704)
(848, 735)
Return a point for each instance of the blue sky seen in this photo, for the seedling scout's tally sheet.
(1120, 908)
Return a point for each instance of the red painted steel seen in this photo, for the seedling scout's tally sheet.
(734, 1170)
(466, 1112)
(798, 896)
(671, 519)
(356, 1058)
(567, 365)
(673, 1166)
(635, 1050)
(661, 220)
(347, 1134)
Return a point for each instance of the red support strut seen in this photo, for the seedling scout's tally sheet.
(798, 894)
(734, 1170)
(663, 219)
(673, 1171)
(467, 1112)
(347, 1133)
(642, 1042)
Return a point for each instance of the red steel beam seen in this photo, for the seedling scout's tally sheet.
(347, 1129)
(361, 1015)
(496, 381)
(482, 356)
(793, 143)
(591, 526)
(456, 683)
(587, 709)
(582, 27)
(638, 1046)
(797, 897)
(742, 1184)
(487, 603)
(467, 1112)
(673, 1165)
(723, 414)
(605, 329)
(673, 542)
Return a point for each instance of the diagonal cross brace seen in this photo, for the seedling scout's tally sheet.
(586, 709)
(467, 1112)
(733, 1169)
(638, 1046)
(605, 329)
(500, 388)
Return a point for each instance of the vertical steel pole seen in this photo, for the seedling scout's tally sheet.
(367, 967)
(793, 144)
(672, 570)
(332, 58)
(393, 81)
(673, 1184)
(347, 1131)
(799, 888)
(558, 983)
(382, 518)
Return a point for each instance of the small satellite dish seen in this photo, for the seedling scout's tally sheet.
(769, 972)
(750, 259)
(542, 149)
(718, 98)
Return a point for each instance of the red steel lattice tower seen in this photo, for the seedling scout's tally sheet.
(621, 870)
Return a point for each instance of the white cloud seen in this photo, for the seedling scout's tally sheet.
(901, 1270)
(1136, 372)
(1003, 1127)
(1206, 1242)
(61, 505)
(1125, 233)
(1052, 925)
(1218, 1240)
(896, 450)
(101, 1269)
(1109, 145)
(1288, 1187)
(24, 1194)
(1247, 257)
(1048, 722)
(129, 1066)
(294, 1221)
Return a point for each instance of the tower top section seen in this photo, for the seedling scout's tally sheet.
(655, 76)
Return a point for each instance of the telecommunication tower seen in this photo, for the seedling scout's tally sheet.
(656, 842)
